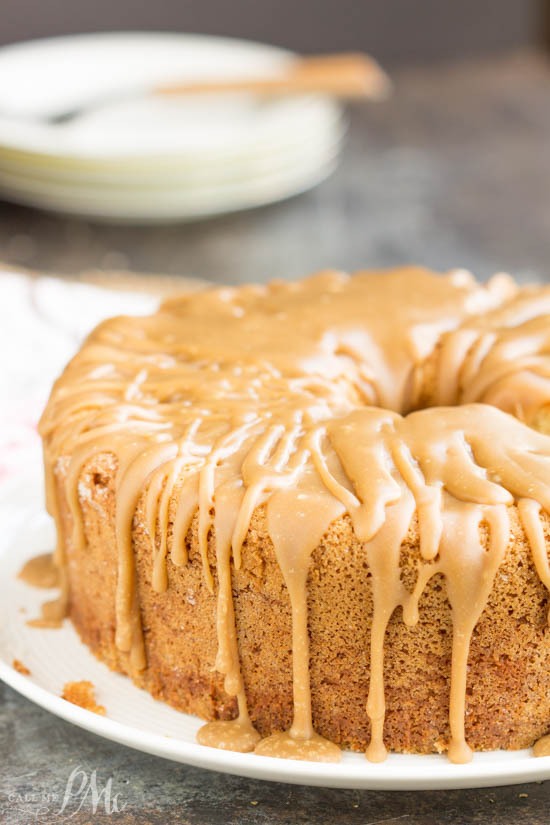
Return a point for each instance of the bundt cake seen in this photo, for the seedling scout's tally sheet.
(316, 513)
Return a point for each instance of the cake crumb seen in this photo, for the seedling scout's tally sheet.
(20, 667)
(82, 694)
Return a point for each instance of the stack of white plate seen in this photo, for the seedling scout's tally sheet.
(151, 158)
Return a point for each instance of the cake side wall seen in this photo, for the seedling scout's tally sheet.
(508, 694)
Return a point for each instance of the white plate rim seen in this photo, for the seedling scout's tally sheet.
(246, 173)
(261, 192)
(478, 774)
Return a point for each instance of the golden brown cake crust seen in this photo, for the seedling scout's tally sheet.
(82, 694)
(508, 689)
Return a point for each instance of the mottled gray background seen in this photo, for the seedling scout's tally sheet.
(394, 30)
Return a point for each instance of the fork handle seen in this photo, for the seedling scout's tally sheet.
(347, 76)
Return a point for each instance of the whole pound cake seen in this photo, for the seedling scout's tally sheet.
(315, 513)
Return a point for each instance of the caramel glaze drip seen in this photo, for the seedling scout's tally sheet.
(292, 396)
(42, 571)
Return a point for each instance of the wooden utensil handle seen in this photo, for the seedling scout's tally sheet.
(348, 76)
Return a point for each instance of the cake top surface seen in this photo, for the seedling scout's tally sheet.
(371, 328)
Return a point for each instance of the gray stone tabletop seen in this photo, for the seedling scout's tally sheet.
(41, 752)
(454, 170)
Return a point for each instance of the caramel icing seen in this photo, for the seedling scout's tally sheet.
(43, 571)
(299, 397)
(500, 358)
(40, 571)
(542, 747)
